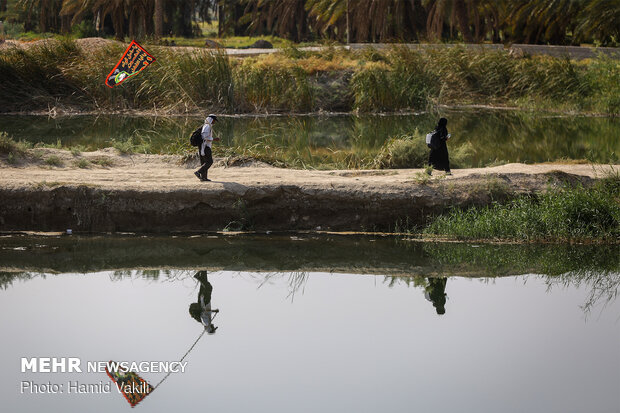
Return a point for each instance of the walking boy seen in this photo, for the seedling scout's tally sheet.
(206, 156)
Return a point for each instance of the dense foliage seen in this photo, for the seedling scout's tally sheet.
(560, 214)
(509, 21)
(58, 75)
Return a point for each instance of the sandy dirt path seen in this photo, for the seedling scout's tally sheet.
(157, 173)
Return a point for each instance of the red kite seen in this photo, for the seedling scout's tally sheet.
(133, 61)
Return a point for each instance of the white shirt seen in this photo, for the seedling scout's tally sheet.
(207, 137)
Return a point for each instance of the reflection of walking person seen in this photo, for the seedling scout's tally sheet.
(201, 311)
(438, 157)
(435, 292)
(206, 156)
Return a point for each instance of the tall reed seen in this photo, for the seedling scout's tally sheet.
(59, 73)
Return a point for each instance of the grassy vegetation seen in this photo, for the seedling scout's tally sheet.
(82, 163)
(53, 160)
(61, 74)
(566, 214)
(103, 161)
(11, 148)
(129, 146)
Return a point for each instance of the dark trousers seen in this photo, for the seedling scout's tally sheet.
(206, 161)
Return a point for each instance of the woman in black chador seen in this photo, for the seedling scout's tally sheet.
(435, 292)
(438, 158)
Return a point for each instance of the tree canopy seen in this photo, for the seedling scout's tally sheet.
(471, 21)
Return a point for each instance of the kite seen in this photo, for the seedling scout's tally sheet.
(132, 386)
(133, 61)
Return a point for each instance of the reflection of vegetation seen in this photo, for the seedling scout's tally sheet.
(7, 278)
(602, 287)
(594, 268)
(135, 256)
(564, 214)
(277, 258)
(505, 259)
(296, 281)
(479, 138)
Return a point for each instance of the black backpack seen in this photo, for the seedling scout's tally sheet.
(196, 138)
(435, 143)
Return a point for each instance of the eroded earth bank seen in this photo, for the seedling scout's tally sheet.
(106, 192)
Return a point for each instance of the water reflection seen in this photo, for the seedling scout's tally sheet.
(268, 258)
(435, 292)
(133, 387)
(534, 290)
(481, 136)
(201, 310)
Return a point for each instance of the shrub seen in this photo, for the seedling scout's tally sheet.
(103, 161)
(82, 163)
(9, 146)
(128, 147)
(565, 214)
(403, 152)
(85, 28)
(260, 88)
(53, 160)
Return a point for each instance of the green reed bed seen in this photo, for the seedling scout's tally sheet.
(60, 74)
(578, 214)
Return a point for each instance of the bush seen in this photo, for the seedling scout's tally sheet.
(10, 147)
(261, 88)
(566, 214)
(53, 161)
(403, 152)
(128, 146)
(82, 163)
(462, 156)
(85, 28)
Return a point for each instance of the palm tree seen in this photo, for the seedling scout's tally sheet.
(74, 9)
(137, 12)
(488, 18)
(599, 20)
(159, 18)
(285, 18)
(542, 21)
(47, 10)
(367, 20)
(442, 12)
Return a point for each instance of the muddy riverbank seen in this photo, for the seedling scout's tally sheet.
(160, 194)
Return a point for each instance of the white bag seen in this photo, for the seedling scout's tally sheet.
(428, 138)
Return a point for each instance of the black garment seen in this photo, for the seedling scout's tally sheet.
(439, 157)
(206, 161)
(437, 293)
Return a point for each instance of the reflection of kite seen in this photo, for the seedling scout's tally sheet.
(132, 386)
(133, 61)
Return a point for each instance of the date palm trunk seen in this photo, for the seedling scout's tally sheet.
(463, 20)
(118, 22)
(159, 18)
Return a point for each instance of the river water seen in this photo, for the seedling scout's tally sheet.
(485, 136)
(314, 323)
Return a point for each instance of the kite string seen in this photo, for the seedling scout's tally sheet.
(182, 358)
(184, 91)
